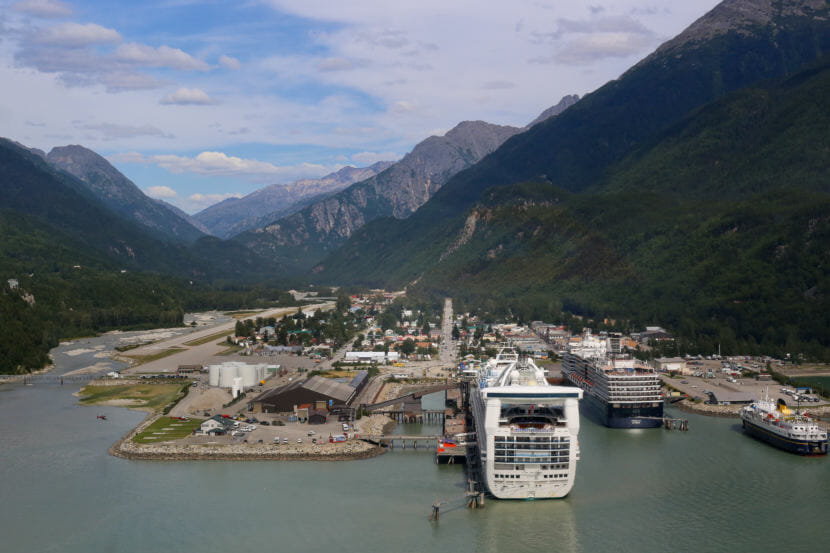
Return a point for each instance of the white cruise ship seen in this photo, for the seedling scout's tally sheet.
(526, 429)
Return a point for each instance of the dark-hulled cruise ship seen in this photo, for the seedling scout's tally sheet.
(620, 391)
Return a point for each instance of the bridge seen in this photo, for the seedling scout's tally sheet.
(417, 440)
(414, 395)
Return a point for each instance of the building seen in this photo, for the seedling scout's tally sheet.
(727, 397)
(318, 416)
(286, 398)
(670, 364)
(190, 369)
(216, 425)
(372, 356)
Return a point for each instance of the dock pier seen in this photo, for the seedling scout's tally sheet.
(675, 424)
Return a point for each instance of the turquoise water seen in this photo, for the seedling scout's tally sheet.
(709, 489)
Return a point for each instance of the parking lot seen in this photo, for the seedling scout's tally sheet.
(267, 428)
(697, 387)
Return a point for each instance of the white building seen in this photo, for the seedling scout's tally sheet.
(372, 356)
(670, 364)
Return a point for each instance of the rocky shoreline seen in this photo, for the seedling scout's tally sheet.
(732, 411)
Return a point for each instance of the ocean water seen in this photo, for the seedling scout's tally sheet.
(709, 489)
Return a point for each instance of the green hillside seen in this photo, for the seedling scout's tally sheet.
(575, 150)
(82, 269)
(718, 228)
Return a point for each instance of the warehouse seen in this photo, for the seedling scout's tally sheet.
(316, 388)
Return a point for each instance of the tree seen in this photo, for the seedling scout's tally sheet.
(456, 334)
(343, 303)
(425, 330)
(408, 346)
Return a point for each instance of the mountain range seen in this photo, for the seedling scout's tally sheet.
(235, 215)
(122, 196)
(690, 192)
(574, 215)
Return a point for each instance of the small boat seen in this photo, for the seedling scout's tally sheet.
(102, 417)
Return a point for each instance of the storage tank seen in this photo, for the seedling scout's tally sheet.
(237, 387)
(227, 373)
(213, 375)
(251, 374)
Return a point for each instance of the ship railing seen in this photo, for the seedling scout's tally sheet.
(544, 429)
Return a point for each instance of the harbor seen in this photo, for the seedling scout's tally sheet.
(711, 484)
(708, 482)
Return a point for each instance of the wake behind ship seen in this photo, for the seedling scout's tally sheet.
(526, 429)
(620, 392)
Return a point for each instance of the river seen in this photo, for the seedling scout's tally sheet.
(710, 489)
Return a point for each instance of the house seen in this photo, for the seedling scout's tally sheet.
(216, 425)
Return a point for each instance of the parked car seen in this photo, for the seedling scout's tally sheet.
(311, 432)
(299, 440)
(276, 439)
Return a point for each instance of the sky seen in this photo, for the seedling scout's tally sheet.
(199, 101)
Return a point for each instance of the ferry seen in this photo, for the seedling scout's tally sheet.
(620, 391)
(527, 430)
(777, 425)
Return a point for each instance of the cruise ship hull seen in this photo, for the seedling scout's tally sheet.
(620, 417)
(801, 447)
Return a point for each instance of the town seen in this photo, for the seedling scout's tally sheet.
(331, 379)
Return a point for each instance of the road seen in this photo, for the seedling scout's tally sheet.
(203, 353)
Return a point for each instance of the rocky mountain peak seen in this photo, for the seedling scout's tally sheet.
(742, 16)
(121, 195)
(564, 103)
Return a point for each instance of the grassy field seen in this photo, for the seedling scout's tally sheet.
(231, 349)
(141, 359)
(145, 396)
(206, 339)
(819, 384)
(338, 373)
(165, 429)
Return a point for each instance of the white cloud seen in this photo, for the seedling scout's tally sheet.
(45, 9)
(498, 85)
(127, 157)
(219, 164)
(76, 35)
(229, 62)
(114, 131)
(335, 64)
(369, 158)
(588, 48)
(402, 106)
(161, 192)
(163, 56)
(187, 97)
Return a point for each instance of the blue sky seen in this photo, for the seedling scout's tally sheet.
(198, 101)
